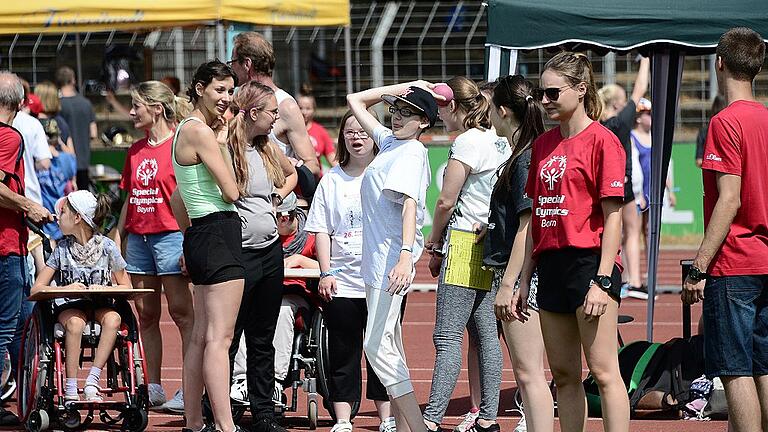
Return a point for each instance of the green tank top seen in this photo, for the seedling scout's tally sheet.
(198, 189)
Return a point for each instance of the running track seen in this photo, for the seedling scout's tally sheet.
(418, 325)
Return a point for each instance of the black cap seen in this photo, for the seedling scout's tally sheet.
(418, 98)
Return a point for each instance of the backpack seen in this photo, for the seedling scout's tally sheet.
(657, 376)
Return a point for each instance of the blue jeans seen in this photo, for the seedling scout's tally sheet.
(24, 312)
(736, 326)
(14, 282)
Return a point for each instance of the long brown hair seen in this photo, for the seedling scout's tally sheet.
(342, 154)
(471, 102)
(576, 68)
(514, 93)
(251, 95)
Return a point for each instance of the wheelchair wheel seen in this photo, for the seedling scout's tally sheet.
(320, 332)
(312, 414)
(33, 373)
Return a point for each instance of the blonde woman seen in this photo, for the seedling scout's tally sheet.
(152, 241)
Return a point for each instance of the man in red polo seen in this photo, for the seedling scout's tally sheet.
(14, 207)
(730, 271)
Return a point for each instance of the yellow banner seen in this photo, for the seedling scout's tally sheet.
(70, 16)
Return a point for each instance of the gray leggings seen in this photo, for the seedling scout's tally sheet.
(459, 308)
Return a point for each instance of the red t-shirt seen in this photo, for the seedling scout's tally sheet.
(13, 232)
(566, 180)
(321, 141)
(309, 251)
(149, 180)
(737, 143)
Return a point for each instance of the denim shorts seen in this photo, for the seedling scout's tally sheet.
(154, 254)
(736, 326)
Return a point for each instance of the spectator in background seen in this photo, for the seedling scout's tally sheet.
(619, 116)
(730, 271)
(321, 141)
(253, 58)
(173, 83)
(79, 115)
(51, 108)
(54, 181)
(14, 207)
(32, 104)
(718, 104)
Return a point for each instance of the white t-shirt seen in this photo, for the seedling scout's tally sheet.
(337, 211)
(35, 149)
(483, 152)
(400, 170)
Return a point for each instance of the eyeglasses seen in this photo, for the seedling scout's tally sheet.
(552, 93)
(233, 61)
(287, 215)
(404, 112)
(355, 133)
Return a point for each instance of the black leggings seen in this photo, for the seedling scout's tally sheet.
(345, 319)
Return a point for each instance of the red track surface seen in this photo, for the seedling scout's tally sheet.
(418, 325)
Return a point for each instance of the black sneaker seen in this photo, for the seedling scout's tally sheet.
(492, 428)
(266, 424)
(8, 418)
(206, 428)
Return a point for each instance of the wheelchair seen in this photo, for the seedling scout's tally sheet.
(41, 374)
(308, 372)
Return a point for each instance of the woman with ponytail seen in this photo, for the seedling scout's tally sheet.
(576, 182)
(463, 202)
(207, 187)
(264, 177)
(518, 117)
(150, 236)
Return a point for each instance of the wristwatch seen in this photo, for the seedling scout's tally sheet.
(604, 282)
(695, 274)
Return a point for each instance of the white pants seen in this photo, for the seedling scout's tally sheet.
(283, 340)
(383, 341)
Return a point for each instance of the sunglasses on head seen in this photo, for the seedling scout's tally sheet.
(552, 93)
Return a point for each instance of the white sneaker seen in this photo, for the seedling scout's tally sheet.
(277, 396)
(239, 390)
(522, 426)
(388, 425)
(468, 422)
(176, 404)
(156, 395)
(342, 426)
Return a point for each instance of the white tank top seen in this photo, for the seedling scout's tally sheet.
(282, 95)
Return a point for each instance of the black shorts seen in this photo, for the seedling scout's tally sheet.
(213, 249)
(564, 278)
(629, 195)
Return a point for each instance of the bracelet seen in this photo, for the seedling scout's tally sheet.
(330, 273)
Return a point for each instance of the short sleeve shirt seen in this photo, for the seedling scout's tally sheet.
(507, 202)
(399, 171)
(567, 180)
(737, 144)
(321, 141)
(482, 151)
(13, 233)
(78, 113)
(35, 149)
(149, 181)
(337, 211)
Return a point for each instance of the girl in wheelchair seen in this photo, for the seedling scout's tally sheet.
(84, 259)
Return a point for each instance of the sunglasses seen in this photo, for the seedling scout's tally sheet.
(289, 214)
(552, 93)
(404, 112)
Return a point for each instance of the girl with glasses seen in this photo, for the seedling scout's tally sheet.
(464, 201)
(393, 195)
(576, 182)
(336, 216)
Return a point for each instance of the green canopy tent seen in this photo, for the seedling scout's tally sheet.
(665, 30)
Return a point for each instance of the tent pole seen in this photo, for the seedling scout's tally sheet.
(221, 40)
(348, 58)
(666, 74)
(178, 53)
(79, 62)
